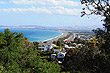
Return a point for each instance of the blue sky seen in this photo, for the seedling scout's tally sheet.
(45, 13)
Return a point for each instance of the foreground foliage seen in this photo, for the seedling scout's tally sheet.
(102, 8)
(86, 61)
(16, 55)
(94, 57)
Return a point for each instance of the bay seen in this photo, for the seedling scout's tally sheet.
(34, 34)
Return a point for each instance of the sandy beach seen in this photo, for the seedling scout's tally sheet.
(64, 33)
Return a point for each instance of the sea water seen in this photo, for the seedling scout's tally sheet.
(34, 34)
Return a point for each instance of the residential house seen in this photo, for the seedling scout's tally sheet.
(66, 46)
(61, 55)
(41, 48)
(79, 45)
(53, 56)
(67, 42)
(56, 50)
(46, 46)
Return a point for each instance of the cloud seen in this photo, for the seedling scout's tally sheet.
(50, 10)
(2, 2)
(45, 2)
(46, 7)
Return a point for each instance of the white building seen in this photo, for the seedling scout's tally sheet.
(79, 45)
(57, 50)
(61, 55)
(74, 35)
(45, 46)
(53, 56)
(66, 46)
(42, 48)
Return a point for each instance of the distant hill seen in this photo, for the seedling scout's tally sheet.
(52, 27)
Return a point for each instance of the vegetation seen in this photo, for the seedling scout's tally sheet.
(86, 60)
(18, 55)
(94, 57)
(102, 8)
(36, 45)
(71, 44)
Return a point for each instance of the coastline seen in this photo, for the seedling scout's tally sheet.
(54, 38)
(64, 33)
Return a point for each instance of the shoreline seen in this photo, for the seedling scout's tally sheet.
(54, 37)
(64, 33)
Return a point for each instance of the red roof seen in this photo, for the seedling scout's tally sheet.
(67, 41)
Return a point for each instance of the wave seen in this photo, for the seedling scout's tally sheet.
(54, 37)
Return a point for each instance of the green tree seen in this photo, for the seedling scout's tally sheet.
(54, 42)
(37, 65)
(72, 45)
(15, 58)
(36, 44)
(59, 43)
(102, 8)
(27, 44)
(86, 60)
(10, 50)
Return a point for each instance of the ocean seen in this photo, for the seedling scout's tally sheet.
(35, 35)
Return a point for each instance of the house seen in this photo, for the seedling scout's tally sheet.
(61, 55)
(41, 48)
(66, 46)
(59, 62)
(56, 50)
(67, 42)
(79, 45)
(48, 46)
(53, 56)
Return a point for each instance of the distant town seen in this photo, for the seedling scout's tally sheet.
(57, 47)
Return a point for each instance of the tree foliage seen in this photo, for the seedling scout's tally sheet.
(59, 43)
(86, 60)
(18, 56)
(102, 8)
(36, 44)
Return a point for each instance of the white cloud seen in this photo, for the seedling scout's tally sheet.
(51, 10)
(45, 2)
(2, 2)
(55, 7)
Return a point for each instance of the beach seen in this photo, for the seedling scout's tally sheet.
(64, 34)
(40, 35)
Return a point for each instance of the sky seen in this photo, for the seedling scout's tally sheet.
(45, 13)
